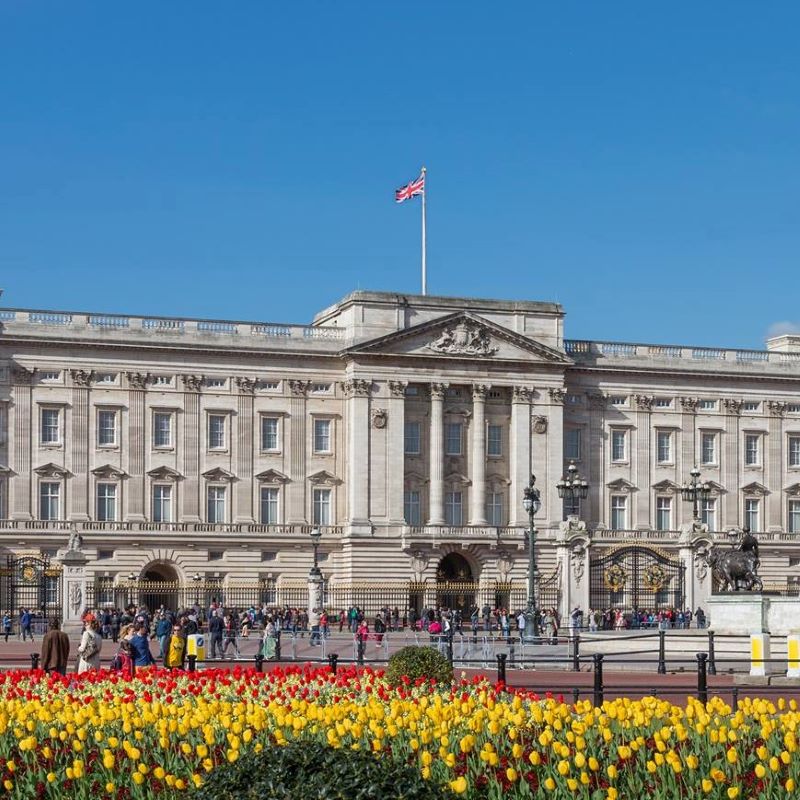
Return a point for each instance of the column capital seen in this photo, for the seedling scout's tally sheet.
(246, 385)
(397, 388)
(689, 404)
(81, 378)
(644, 401)
(192, 383)
(437, 390)
(299, 388)
(479, 391)
(137, 380)
(522, 394)
(356, 387)
(557, 395)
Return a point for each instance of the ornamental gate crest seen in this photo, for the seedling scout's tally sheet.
(637, 576)
(32, 582)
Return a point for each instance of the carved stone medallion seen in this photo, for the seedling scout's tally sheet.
(464, 339)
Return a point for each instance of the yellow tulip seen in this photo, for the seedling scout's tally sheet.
(549, 784)
(790, 785)
(511, 774)
(733, 792)
(459, 785)
(707, 785)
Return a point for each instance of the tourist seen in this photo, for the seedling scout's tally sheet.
(269, 644)
(7, 625)
(123, 660)
(229, 630)
(313, 621)
(55, 649)
(140, 647)
(90, 646)
(175, 648)
(163, 628)
(25, 622)
(215, 628)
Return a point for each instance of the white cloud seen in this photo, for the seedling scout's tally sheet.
(782, 328)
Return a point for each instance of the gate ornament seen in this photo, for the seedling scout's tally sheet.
(616, 577)
(655, 578)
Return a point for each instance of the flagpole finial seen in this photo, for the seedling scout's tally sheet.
(424, 169)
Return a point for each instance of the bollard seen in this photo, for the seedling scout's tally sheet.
(133, 670)
(735, 698)
(511, 652)
(360, 656)
(450, 647)
(712, 663)
(501, 668)
(662, 661)
(576, 694)
(259, 662)
(576, 655)
(191, 659)
(702, 680)
(598, 679)
(333, 660)
(34, 661)
(277, 645)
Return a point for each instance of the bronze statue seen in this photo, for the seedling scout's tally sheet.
(737, 568)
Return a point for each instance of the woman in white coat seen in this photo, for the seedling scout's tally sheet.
(91, 644)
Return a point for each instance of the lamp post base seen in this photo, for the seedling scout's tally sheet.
(531, 631)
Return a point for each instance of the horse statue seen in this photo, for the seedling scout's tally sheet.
(737, 568)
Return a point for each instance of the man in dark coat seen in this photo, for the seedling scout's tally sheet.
(55, 649)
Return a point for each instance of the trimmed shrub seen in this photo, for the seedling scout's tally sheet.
(419, 662)
(314, 771)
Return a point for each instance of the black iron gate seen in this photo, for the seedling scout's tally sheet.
(32, 583)
(637, 577)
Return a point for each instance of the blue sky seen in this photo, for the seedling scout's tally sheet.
(637, 162)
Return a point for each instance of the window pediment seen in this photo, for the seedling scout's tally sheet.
(52, 470)
(456, 478)
(793, 490)
(219, 474)
(165, 474)
(324, 478)
(272, 476)
(497, 481)
(109, 472)
(755, 488)
(5, 471)
(621, 485)
(415, 478)
(666, 487)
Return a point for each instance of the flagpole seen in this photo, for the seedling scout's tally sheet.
(424, 242)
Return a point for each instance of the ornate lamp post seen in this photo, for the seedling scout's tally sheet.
(572, 486)
(196, 578)
(132, 578)
(315, 573)
(531, 502)
(695, 491)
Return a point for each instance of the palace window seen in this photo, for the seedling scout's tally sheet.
(494, 508)
(106, 502)
(104, 591)
(752, 512)
(216, 431)
(161, 380)
(453, 508)
(106, 428)
(412, 510)
(322, 507)
(794, 516)
(752, 450)
(3, 498)
(412, 436)
(618, 400)
(452, 441)
(215, 504)
(619, 449)
(572, 444)
(322, 436)
(708, 513)
(708, 405)
(619, 512)
(269, 434)
(162, 429)
(663, 513)
(49, 500)
(268, 591)
(50, 426)
(494, 440)
(663, 402)
(162, 503)
(664, 447)
(794, 451)
(269, 505)
(708, 448)
(750, 405)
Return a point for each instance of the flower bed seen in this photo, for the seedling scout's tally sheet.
(165, 733)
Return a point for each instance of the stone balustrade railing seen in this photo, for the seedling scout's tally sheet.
(98, 323)
(581, 351)
(91, 527)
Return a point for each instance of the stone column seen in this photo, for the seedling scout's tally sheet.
(395, 451)
(641, 513)
(685, 458)
(773, 472)
(77, 455)
(730, 499)
(296, 489)
(478, 513)
(519, 453)
(136, 493)
(436, 513)
(244, 450)
(190, 490)
(357, 393)
(20, 461)
(593, 455)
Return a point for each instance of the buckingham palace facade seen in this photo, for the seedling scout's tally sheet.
(199, 453)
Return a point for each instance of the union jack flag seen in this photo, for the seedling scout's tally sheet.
(410, 190)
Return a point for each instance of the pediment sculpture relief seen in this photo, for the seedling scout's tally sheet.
(464, 339)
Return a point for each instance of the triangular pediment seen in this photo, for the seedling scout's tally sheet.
(219, 474)
(413, 478)
(109, 471)
(621, 485)
(52, 470)
(456, 478)
(324, 478)
(462, 335)
(5, 471)
(793, 490)
(755, 488)
(272, 476)
(666, 487)
(164, 474)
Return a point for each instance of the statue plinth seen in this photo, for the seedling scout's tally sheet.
(745, 613)
(73, 588)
